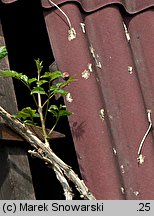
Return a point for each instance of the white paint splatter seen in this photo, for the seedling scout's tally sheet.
(102, 114)
(71, 34)
(122, 169)
(126, 32)
(136, 193)
(86, 74)
(90, 67)
(122, 190)
(95, 56)
(69, 97)
(130, 69)
(114, 151)
(83, 27)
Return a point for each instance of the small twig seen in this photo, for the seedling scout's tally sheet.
(59, 174)
(66, 188)
(140, 158)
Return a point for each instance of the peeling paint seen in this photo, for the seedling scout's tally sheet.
(136, 193)
(122, 190)
(140, 159)
(71, 31)
(95, 56)
(126, 32)
(71, 34)
(83, 27)
(130, 69)
(122, 169)
(90, 67)
(86, 74)
(102, 114)
(114, 151)
(69, 97)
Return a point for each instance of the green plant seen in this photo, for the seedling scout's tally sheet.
(43, 89)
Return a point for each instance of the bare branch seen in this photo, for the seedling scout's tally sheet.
(21, 129)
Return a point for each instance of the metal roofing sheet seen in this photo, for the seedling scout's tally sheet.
(112, 59)
(113, 63)
(130, 6)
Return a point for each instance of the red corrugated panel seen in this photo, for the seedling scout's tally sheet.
(113, 64)
(120, 85)
(131, 6)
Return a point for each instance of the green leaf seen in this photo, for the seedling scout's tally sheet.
(24, 78)
(53, 107)
(60, 91)
(53, 87)
(29, 122)
(26, 112)
(54, 112)
(67, 82)
(32, 80)
(3, 52)
(39, 65)
(52, 75)
(64, 113)
(10, 73)
(38, 90)
(62, 106)
(41, 82)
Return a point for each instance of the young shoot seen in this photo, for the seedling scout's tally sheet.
(42, 90)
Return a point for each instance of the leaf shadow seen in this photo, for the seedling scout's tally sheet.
(78, 130)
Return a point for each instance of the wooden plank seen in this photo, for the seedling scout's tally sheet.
(15, 175)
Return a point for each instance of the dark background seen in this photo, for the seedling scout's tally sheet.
(27, 39)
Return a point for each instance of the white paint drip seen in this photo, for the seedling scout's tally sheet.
(102, 114)
(95, 56)
(126, 32)
(130, 69)
(122, 190)
(114, 151)
(122, 169)
(83, 27)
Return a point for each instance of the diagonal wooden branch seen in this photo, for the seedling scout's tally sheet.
(21, 129)
(59, 174)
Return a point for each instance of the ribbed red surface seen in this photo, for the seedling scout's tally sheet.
(110, 106)
(121, 87)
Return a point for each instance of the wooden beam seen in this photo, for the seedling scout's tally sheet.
(15, 175)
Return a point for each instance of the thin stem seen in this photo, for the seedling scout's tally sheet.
(40, 111)
(47, 100)
(57, 119)
(46, 111)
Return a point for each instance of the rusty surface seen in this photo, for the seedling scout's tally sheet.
(113, 63)
(8, 134)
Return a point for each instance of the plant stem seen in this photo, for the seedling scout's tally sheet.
(57, 119)
(47, 100)
(40, 111)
